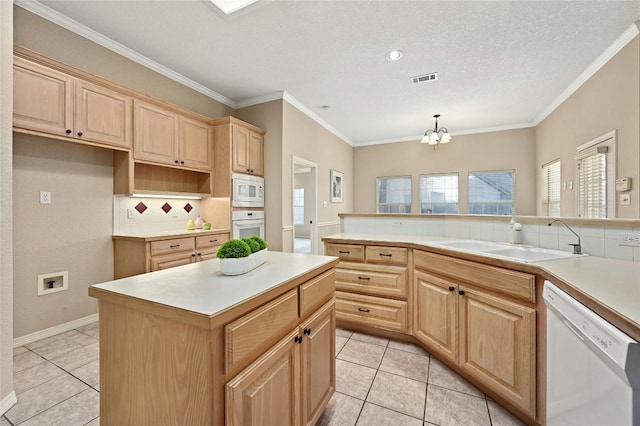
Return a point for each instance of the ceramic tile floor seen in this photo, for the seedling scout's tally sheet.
(378, 382)
(383, 382)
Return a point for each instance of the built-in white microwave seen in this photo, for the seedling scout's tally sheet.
(248, 191)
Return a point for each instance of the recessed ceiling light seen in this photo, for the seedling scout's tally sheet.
(394, 55)
(230, 6)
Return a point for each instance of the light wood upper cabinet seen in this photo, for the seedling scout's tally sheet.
(163, 136)
(103, 115)
(50, 102)
(248, 151)
(42, 98)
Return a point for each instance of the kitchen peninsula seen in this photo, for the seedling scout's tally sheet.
(188, 345)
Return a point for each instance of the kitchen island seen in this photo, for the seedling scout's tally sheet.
(190, 346)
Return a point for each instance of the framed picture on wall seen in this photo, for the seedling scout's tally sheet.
(337, 186)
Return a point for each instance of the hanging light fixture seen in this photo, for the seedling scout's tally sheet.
(436, 136)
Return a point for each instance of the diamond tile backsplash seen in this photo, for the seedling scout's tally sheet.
(152, 214)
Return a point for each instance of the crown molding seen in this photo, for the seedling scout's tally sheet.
(256, 100)
(83, 31)
(604, 57)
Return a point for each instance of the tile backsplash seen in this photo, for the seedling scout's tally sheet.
(152, 214)
(596, 240)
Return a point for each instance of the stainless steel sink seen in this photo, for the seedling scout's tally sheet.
(526, 254)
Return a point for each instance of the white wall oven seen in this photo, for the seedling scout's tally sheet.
(247, 223)
(248, 191)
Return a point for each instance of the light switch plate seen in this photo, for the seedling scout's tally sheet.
(625, 199)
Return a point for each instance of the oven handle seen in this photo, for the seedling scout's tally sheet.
(247, 223)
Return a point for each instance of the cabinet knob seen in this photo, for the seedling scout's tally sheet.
(307, 331)
(363, 309)
(176, 161)
(461, 292)
(79, 133)
(181, 162)
(298, 339)
(249, 170)
(193, 255)
(68, 131)
(452, 288)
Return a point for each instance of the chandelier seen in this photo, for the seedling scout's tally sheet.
(436, 136)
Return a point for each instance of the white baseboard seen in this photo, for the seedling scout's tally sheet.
(7, 402)
(52, 331)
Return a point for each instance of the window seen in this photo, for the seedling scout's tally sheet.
(596, 175)
(298, 206)
(393, 194)
(551, 188)
(491, 193)
(439, 193)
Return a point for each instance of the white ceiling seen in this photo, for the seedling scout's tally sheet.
(501, 64)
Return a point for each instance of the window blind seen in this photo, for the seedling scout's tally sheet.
(551, 185)
(439, 193)
(592, 191)
(393, 194)
(491, 193)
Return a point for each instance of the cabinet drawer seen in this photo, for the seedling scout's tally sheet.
(346, 251)
(205, 241)
(172, 260)
(377, 280)
(173, 245)
(372, 311)
(317, 291)
(249, 335)
(513, 283)
(388, 255)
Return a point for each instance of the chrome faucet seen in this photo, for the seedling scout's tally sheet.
(577, 248)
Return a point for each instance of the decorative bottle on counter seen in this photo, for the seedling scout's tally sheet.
(199, 222)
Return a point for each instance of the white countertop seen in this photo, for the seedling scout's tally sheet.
(610, 282)
(201, 288)
(165, 234)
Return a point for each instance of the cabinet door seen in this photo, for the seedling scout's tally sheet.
(42, 99)
(318, 362)
(436, 314)
(240, 149)
(195, 146)
(172, 260)
(102, 115)
(256, 154)
(499, 346)
(267, 392)
(155, 134)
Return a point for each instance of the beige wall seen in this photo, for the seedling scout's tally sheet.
(306, 139)
(504, 150)
(269, 116)
(609, 100)
(6, 227)
(72, 234)
(36, 33)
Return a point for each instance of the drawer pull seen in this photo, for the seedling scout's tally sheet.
(452, 288)
(461, 292)
(174, 246)
(307, 331)
(363, 309)
(364, 278)
(298, 339)
(213, 241)
(194, 255)
(344, 251)
(386, 254)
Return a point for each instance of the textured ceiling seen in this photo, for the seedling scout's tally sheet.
(501, 64)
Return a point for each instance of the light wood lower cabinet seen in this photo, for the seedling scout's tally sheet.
(488, 335)
(134, 256)
(292, 382)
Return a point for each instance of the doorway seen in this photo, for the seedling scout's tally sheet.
(304, 186)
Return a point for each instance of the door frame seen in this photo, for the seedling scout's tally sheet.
(313, 208)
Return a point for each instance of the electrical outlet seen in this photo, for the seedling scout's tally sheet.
(45, 197)
(131, 213)
(397, 223)
(629, 240)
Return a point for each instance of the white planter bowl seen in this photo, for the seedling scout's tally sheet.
(242, 265)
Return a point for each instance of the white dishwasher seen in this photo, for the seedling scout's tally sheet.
(593, 369)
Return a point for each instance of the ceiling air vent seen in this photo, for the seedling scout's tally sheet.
(424, 77)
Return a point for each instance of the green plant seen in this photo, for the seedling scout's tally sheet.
(253, 244)
(260, 241)
(233, 249)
